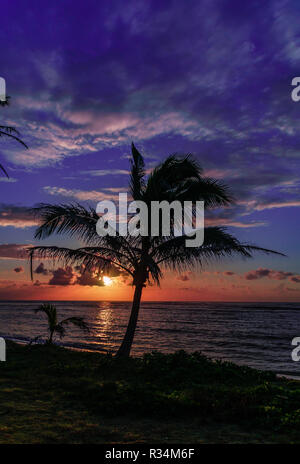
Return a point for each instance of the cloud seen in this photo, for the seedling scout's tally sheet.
(105, 172)
(41, 269)
(257, 274)
(8, 179)
(62, 276)
(275, 205)
(19, 269)
(91, 279)
(280, 275)
(290, 289)
(78, 276)
(242, 225)
(228, 217)
(183, 278)
(16, 216)
(89, 107)
(13, 251)
(271, 274)
(116, 189)
(81, 195)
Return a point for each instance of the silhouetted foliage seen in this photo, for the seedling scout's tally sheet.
(166, 389)
(11, 132)
(58, 328)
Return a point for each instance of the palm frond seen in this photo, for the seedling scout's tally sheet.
(218, 243)
(51, 313)
(137, 174)
(77, 321)
(80, 222)
(181, 179)
(153, 269)
(167, 176)
(9, 131)
(70, 256)
(73, 219)
(60, 330)
(3, 170)
(212, 192)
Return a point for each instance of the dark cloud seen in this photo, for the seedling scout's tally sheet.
(257, 274)
(62, 276)
(183, 278)
(41, 269)
(281, 275)
(77, 276)
(271, 274)
(19, 269)
(92, 278)
(89, 279)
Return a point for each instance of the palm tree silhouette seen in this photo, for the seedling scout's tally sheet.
(8, 131)
(58, 327)
(143, 258)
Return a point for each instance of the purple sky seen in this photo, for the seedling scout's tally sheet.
(208, 77)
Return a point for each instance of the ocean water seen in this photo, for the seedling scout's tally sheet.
(254, 334)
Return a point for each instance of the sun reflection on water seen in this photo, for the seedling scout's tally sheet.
(104, 322)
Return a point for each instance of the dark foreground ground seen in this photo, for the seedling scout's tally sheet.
(54, 395)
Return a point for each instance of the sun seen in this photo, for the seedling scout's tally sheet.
(107, 280)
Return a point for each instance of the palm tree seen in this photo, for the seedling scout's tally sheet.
(143, 258)
(8, 131)
(58, 327)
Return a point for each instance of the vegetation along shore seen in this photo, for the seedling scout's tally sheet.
(50, 394)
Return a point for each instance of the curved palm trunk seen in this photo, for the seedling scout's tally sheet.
(124, 350)
(50, 341)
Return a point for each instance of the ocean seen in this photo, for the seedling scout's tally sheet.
(254, 334)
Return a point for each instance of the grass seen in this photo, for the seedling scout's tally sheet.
(54, 395)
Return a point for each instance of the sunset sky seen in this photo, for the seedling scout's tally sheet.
(211, 78)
